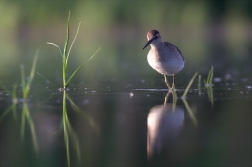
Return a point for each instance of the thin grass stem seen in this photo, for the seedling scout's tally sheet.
(61, 52)
(32, 70)
(72, 43)
(67, 39)
(79, 69)
(48, 80)
(189, 85)
(209, 80)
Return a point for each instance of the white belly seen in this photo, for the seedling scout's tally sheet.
(168, 63)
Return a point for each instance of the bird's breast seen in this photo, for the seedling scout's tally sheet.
(165, 61)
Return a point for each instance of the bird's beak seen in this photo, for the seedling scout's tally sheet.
(148, 43)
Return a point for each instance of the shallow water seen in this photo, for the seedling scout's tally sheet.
(117, 111)
(128, 126)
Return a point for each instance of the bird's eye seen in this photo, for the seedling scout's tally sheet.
(155, 37)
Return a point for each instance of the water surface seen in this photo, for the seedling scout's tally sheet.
(130, 126)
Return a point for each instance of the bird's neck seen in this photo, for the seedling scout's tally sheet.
(156, 45)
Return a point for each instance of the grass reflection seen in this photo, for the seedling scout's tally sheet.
(69, 133)
(27, 117)
(14, 102)
(79, 111)
(188, 108)
(190, 112)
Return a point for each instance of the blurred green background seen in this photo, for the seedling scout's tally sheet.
(207, 32)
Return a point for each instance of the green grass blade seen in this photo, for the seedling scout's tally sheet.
(72, 43)
(208, 77)
(61, 52)
(26, 86)
(64, 68)
(211, 76)
(66, 42)
(22, 76)
(209, 80)
(48, 80)
(80, 68)
(32, 70)
(189, 85)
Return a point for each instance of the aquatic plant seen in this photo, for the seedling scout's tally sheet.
(209, 80)
(25, 111)
(65, 55)
(26, 85)
(174, 94)
(189, 85)
(209, 84)
(189, 110)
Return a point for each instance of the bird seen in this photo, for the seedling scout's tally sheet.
(164, 57)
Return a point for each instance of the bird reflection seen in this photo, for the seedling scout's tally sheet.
(164, 124)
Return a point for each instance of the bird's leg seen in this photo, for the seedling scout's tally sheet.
(166, 81)
(173, 80)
